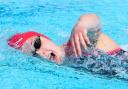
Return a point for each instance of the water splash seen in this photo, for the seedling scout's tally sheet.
(125, 47)
(103, 64)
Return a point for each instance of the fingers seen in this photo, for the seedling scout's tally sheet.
(77, 45)
(86, 39)
(78, 40)
(73, 46)
(82, 41)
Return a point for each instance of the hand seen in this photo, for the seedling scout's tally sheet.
(79, 39)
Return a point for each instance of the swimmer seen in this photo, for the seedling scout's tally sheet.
(85, 34)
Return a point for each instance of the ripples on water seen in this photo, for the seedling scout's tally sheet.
(29, 71)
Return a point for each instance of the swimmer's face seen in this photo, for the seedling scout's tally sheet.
(43, 47)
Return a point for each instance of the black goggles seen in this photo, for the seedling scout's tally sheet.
(36, 45)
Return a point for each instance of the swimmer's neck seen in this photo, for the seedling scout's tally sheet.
(64, 54)
(67, 50)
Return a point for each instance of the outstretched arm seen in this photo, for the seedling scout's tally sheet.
(79, 36)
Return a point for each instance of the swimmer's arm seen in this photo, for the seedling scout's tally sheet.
(79, 37)
(92, 25)
(89, 22)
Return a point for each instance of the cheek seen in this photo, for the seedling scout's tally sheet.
(41, 53)
(48, 45)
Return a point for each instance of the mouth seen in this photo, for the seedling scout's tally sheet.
(53, 57)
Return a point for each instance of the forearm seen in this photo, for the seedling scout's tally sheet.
(85, 33)
(106, 44)
(90, 22)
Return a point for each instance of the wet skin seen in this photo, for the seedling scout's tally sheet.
(48, 49)
(78, 41)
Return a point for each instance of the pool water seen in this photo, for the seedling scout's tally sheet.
(56, 19)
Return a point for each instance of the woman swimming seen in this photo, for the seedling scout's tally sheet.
(85, 34)
(88, 48)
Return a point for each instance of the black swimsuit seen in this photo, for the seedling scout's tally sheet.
(105, 64)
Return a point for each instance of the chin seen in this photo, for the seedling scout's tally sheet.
(59, 60)
(59, 57)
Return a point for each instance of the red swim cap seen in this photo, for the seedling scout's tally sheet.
(19, 39)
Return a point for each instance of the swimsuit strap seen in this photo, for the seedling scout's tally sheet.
(114, 51)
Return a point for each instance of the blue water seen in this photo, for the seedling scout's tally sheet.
(55, 19)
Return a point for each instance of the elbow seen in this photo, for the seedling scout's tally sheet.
(90, 21)
(89, 16)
